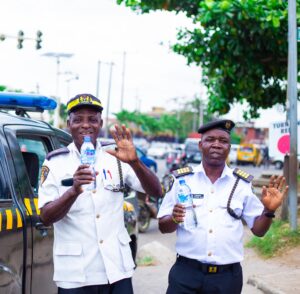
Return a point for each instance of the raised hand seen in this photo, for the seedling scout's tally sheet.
(274, 194)
(125, 150)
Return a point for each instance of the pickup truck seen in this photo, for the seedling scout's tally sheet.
(25, 243)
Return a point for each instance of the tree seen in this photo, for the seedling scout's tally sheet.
(241, 46)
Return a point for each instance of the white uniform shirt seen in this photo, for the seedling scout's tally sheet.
(91, 243)
(218, 238)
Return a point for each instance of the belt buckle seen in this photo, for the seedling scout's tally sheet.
(212, 269)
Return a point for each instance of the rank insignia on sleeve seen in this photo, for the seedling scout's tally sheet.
(243, 175)
(44, 173)
(182, 171)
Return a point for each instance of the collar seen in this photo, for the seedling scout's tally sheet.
(73, 148)
(227, 171)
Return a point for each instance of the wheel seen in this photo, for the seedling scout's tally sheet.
(143, 219)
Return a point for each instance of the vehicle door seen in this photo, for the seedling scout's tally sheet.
(29, 146)
(13, 233)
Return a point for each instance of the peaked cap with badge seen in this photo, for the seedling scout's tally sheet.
(81, 100)
(224, 124)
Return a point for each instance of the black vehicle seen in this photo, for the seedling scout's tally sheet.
(26, 264)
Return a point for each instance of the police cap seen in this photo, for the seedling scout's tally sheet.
(81, 100)
(224, 124)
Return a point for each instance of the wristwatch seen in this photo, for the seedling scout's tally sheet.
(269, 214)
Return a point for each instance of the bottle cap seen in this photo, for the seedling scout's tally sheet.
(87, 139)
(182, 181)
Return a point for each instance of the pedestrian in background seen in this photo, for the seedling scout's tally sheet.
(91, 244)
(209, 256)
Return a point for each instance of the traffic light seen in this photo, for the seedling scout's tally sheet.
(38, 40)
(20, 39)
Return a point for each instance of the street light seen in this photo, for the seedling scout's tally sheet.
(73, 76)
(57, 56)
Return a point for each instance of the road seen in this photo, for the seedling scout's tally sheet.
(154, 279)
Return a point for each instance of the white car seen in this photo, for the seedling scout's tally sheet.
(233, 153)
(159, 149)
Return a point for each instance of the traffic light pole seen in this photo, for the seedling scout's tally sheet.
(292, 98)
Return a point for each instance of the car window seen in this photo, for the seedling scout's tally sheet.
(34, 151)
(4, 190)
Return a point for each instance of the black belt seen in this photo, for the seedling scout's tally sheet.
(207, 268)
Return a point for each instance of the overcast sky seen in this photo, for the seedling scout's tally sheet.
(94, 30)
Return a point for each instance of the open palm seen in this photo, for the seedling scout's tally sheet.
(274, 194)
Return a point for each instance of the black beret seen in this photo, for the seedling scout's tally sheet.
(224, 124)
(81, 100)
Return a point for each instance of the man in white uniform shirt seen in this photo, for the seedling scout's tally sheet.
(91, 245)
(209, 256)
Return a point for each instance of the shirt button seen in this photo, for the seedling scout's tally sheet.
(210, 210)
(209, 254)
(101, 241)
(210, 231)
(212, 190)
(98, 216)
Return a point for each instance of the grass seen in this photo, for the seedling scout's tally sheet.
(276, 241)
(146, 261)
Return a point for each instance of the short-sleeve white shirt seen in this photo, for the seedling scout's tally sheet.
(91, 243)
(218, 238)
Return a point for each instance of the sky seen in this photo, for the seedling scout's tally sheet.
(99, 32)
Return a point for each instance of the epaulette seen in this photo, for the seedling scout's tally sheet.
(56, 152)
(243, 175)
(182, 171)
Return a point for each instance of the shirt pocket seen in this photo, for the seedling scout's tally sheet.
(127, 259)
(68, 262)
(235, 205)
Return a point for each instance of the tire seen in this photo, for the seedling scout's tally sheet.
(143, 219)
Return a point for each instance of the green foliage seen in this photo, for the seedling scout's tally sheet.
(241, 45)
(277, 239)
(146, 261)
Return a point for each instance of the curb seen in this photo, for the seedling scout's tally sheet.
(263, 286)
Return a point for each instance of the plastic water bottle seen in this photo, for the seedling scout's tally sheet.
(88, 156)
(184, 196)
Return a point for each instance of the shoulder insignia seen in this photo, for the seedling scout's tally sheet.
(44, 173)
(182, 171)
(243, 175)
(56, 152)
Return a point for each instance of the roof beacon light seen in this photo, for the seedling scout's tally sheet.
(27, 102)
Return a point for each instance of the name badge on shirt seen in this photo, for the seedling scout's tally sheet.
(198, 199)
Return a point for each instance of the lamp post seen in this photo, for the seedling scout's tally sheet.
(57, 56)
(108, 99)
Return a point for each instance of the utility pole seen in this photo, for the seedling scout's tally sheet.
(98, 78)
(108, 99)
(57, 56)
(292, 98)
(123, 80)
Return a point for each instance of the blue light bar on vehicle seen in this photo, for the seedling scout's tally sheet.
(29, 102)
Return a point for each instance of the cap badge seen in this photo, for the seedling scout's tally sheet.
(228, 125)
(85, 99)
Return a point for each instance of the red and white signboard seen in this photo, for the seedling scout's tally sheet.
(279, 139)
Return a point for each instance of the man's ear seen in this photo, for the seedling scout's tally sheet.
(200, 145)
(101, 123)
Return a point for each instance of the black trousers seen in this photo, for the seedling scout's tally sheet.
(192, 278)
(120, 287)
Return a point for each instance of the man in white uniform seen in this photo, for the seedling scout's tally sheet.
(209, 256)
(91, 244)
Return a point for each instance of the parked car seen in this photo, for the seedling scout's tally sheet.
(191, 147)
(158, 149)
(26, 264)
(147, 160)
(232, 158)
(249, 154)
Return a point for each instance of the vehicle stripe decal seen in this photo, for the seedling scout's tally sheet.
(28, 206)
(0, 221)
(19, 219)
(9, 219)
(35, 201)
